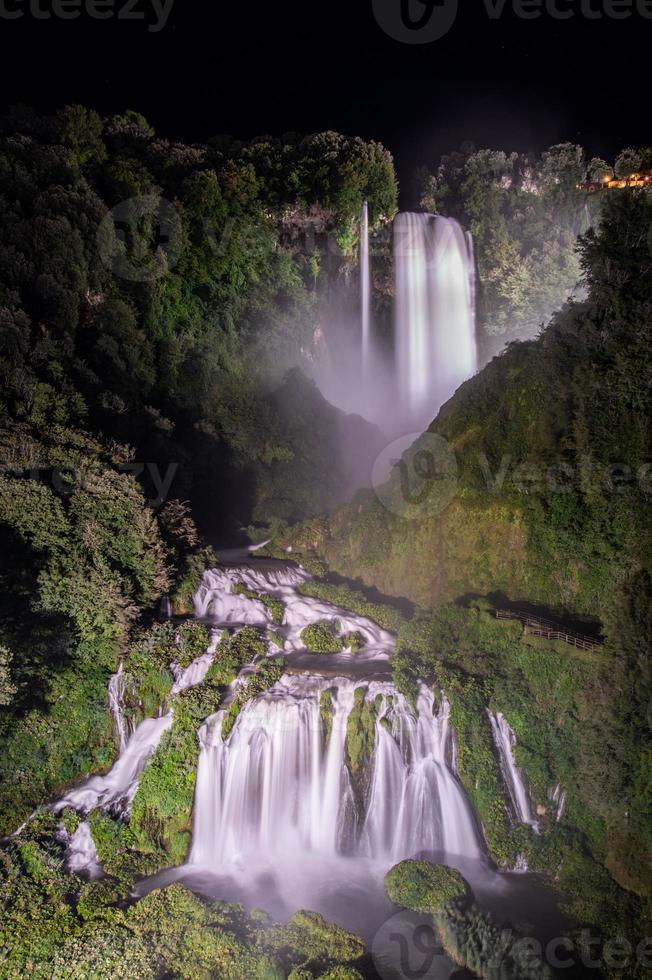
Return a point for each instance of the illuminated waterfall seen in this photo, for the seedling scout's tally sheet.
(435, 313)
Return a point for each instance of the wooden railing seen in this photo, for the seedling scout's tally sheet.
(550, 631)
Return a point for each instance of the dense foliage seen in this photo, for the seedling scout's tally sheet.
(152, 298)
(525, 212)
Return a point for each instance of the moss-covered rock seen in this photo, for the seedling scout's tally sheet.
(424, 887)
(326, 712)
(353, 641)
(323, 637)
(469, 936)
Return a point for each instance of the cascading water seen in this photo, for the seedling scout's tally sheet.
(284, 818)
(276, 785)
(505, 740)
(116, 790)
(435, 312)
(280, 819)
(365, 291)
(116, 705)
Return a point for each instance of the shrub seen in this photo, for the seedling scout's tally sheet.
(322, 637)
(424, 887)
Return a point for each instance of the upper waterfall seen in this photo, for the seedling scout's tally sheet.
(435, 312)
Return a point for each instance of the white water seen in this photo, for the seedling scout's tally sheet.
(116, 790)
(558, 799)
(116, 705)
(81, 853)
(365, 290)
(216, 601)
(275, 786)
(505, 740)
(435, 313)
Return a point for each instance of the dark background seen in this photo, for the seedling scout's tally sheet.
(273, 67)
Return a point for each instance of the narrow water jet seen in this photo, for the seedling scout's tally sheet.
(365, 293)
(505, 740)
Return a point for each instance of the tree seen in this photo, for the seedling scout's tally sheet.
(628, 162)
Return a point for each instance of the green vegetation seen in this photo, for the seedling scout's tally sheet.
(525, 213)
(326, 711)
(276, 639)
(469, 937)
(323, 637)
(360, 742)
(353, 641)
(424, 887)
(55, 925)
(386, 615)
(310, 943)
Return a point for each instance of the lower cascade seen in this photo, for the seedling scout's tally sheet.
(278, 784)
(310, 791)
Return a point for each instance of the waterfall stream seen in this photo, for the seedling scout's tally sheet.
(277, 784)
(365, 291)
(322, 783)
(435, 312)
(505, 740)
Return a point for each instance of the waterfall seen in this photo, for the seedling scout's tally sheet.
(416, 803)
(505, 740)
(116, 705)
(116, 790)
(276, 786)
(365, 289)
(81, 853)
(558, 799)
(217, 602)
(435, 312)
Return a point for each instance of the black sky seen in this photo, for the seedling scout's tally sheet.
(262, 67)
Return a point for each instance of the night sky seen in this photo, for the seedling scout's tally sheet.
(262, 67)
